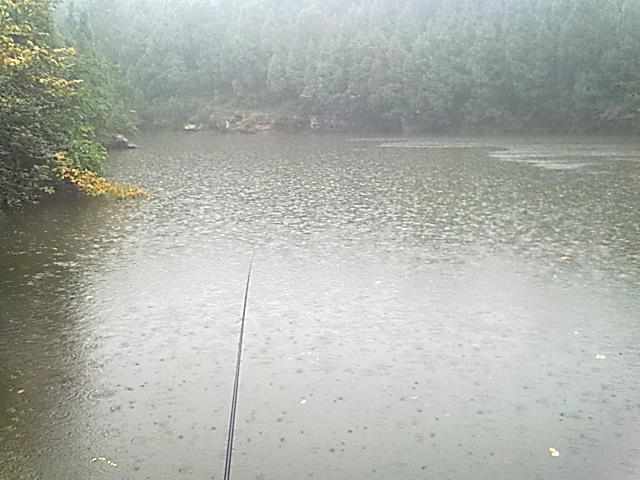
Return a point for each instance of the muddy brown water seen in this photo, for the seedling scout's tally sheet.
(420, 309)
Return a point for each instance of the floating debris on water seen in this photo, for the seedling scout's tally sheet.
(553, 452)
(601, 357)
(104, 460)
(432, 146)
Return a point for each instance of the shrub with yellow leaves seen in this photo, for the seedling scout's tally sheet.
(93, 185)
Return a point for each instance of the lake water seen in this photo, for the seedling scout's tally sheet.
(419, 309)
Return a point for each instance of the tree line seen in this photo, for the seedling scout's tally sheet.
(434, 64)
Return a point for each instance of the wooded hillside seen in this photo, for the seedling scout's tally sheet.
(434, 64)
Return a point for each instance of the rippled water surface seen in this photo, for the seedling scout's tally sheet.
(420, 309)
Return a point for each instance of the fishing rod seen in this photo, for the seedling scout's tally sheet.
(236, 382)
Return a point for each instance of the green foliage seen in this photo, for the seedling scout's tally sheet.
(35, 97)
(528, 63)
(20, 186)
(84, 152)
(52, 99)
(104, 100)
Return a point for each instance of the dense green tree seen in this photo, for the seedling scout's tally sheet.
(52, 100)
(38, 99)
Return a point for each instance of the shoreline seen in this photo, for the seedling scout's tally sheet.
(253, 121)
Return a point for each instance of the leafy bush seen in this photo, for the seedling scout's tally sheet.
(51, 100)
(84, 152)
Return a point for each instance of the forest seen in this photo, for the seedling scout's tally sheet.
(435, 65)
(74, 72)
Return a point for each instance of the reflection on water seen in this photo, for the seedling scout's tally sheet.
(415, 313)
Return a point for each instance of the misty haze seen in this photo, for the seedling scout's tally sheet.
(331, 240)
